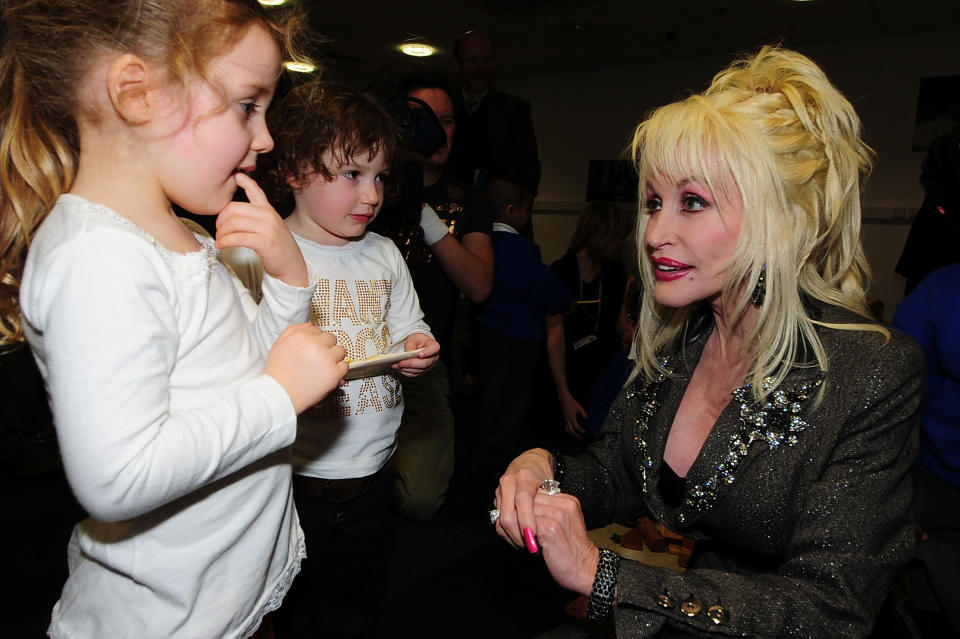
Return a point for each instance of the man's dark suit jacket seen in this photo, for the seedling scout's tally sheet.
(511, 140)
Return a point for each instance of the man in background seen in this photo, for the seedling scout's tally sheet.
(494, 129)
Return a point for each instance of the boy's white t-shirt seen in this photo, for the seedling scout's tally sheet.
(365, 296)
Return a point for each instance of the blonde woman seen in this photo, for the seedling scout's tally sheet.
(768, 417)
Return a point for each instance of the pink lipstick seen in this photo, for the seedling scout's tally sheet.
(667, 270)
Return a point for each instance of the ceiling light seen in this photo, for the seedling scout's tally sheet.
(417, 49)
(300, 66)
(271, 3)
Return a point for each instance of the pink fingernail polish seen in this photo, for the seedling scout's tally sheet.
(529, 539)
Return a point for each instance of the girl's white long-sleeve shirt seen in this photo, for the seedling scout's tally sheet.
(172, 437)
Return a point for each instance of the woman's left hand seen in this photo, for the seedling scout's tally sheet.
(570, 555)
(416, 365)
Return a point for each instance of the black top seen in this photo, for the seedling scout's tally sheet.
(438, 295)
(671, 485)
(933, 242)
(597, 316)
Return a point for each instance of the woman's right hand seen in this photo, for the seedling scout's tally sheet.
(516, 492)
(570, 554)
(308, 364)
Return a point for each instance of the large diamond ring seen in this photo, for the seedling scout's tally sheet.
(494, 515)
(550, 486)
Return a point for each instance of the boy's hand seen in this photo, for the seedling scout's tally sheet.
(256, 225)
(308, 364)
(427, 358)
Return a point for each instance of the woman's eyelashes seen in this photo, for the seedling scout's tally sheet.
(689, 203)
(693, 203)
(653, 204)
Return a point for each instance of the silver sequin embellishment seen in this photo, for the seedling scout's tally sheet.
(646, 394)
(776, 422)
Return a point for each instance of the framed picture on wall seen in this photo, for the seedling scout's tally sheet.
(938, 110)
(611, 180)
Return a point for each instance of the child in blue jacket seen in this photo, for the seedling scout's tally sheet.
(511, 327)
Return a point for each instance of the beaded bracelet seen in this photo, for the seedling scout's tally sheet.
(604, 586)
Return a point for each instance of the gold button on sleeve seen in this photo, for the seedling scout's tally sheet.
(718, 615)
(690, 608)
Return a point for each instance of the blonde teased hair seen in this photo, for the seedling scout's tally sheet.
(772, 132)
(48, 52)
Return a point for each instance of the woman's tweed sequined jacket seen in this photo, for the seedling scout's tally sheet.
(801, 511)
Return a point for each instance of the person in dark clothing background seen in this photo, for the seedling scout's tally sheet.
(510, 328)
(934, 238)
(448, 251)
(930, 315)
(580, 343)
(494, 129)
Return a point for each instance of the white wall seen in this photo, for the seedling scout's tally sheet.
(588, 115)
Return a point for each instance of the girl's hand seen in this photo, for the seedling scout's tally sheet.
(416, 365)
(308, 364)
(515, 495)
(256, 225)
(570, 555)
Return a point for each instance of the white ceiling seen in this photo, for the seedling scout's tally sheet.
(539, 36)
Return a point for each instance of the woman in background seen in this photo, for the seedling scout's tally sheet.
(581, 343)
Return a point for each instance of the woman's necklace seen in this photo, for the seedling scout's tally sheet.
(591, 307)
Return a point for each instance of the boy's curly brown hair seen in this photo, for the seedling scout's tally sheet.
(320, 116)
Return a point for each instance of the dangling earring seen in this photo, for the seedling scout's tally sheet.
(760, 290)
